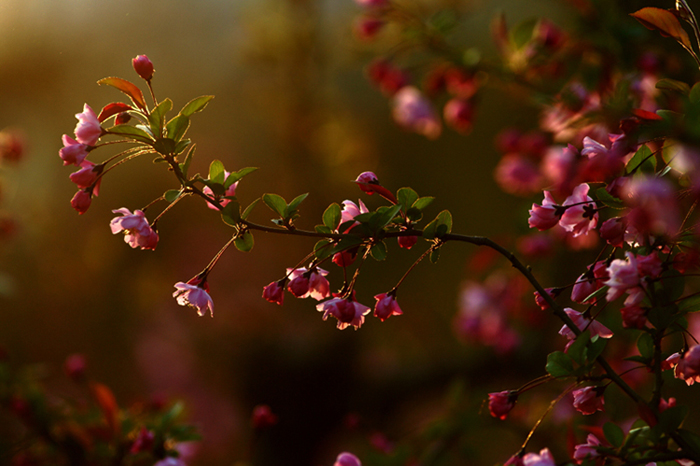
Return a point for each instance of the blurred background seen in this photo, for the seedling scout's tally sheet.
(291, 98)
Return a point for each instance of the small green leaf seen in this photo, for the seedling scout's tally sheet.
(127, 88)
(216, 172)
(645, 345)
(613, 434)
(165, 146)
(236, 176)
(332, 216)
(295, 203)
(692, 440)
(671, 418)
(322, 249)
(423, 202)
(276, 203)
(673, 85)
(249, 209)
(196, 105)
(642, 161)
(596, 294)
(182, 145)
(559, 365)
(244, 242)
(596, 348)
(690, 303)
(406, 197)
(231, 214)
(387, 215)
(185, 166)
(323, 229)
(131, 132)
(378, 251)
(577, 350)
(177, 127)
(157, 117)
(429, 230)
(435, 255)
(171, 195)
(602, 195)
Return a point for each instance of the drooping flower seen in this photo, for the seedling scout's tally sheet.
(88, 129)
(137, 231)
(143, 67)
(613, 231)
(634, 316)
(500, 403)
(589, 282)
(688, 367)
(587, 450)
(230, 191)
(347, 459)
(588, 400)
(545, 216)
(87, 175)
(73, 152)
(407, 242)
(580, 216)
(623, 276)
(81, 201)
(544, 458)
(414, 112)
(583, 323)
(304, 283)
(195, 294)
(274, 292)
(386, 306)
(351, 210)
(346, 310)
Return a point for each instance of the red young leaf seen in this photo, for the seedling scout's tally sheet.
(127, 88)
(113, 109)
(108, 405)
(646, 115)
(664, 21)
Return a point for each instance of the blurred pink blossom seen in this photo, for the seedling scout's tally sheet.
(414, 112)
(587, 400)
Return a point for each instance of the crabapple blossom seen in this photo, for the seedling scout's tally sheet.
(584, 323)
(654, 205)
(386, 306)
(346, 310)
(623, 276)
(73, 152)
(518, 174)
(613, 231)
(688, 366)
(137, 231)
(144, 441)
(414, 112)
(88, 129)
(634, 316)
(588, 400)
(544, 458)
(170, 461)
(388, 77)
(369, 183)
(589, 282)
(545, 216)
(194, 294)
(500, 403)
(587, 450)
(345, 258)
(580, 216)
(367, 27)
(230, 191)
(81, 201)
(87, 175)
(351, 210)
(274, 292)
(143, 67)
(347, 459)
(304, 283)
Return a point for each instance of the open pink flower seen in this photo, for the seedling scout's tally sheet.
(73, 152)
(587, 450)
(87, 175)
(88, 129)
(544, 458)
(688, 367)
(587, 400)
(351, 210)
(346, 310)
(194, 294)
(545, 216)
(581, 216)
(583, 323)
(304, 283)
(137, 232)
(500, 403)
(386, 306)
(347, 459)
(623, 274)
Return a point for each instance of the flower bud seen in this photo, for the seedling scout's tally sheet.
(143, 67)
(122, 118)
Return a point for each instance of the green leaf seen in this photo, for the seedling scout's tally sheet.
(577, 350)
(596, 348)
(249, 209)
(236, 176)
(173, 413)
(196, 105)
(231, 214)
(157, 117)
(435, 255)
(645, 345)
(596, 294)
(185, 165)
(603, 196)
(378, 251)
(245, 242)
(429, 230)
(690, 303)
(642, 161)
(322, 249)
(332, 216)
(406, 197)
(323, 229)
(692, 440)
(673, 85)
(171, 195)
(522, 32)
(695, 93)
(295, 203)
(216, 172)
(671, 418)
(559, 365)
(131, 132)
(423, 202)
(165, 146)
(276, 203)
(182, 145)
(177, 127)
(387, 214)
(613, 434)
(127, 88)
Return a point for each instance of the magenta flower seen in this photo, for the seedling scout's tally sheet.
(500, 403)
(587, 400)
(459, 115)
(347, 459)
(137, 231)
(613, 231)
(545, 216)
(304, 283)
(230, 191)
(386, 306)
(544, 458)
(346, 310)
(688, 367)
(587, 450)
(351, 210)
(634, 316)
(263, 417)
(73, 152)
(414, 112)
(581, 216)
(143, 67)
(274, 292)
(589, 282)
(584, 323)
(88, 129)
(81, 201)
(518, 174)
(194, 294)
(87, 175)
(623, 276)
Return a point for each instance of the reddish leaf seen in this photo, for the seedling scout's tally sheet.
(127, 88)
(646, 115)
(113, 109)
(665, 22)
(108, 405)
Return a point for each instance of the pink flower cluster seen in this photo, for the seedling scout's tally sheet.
(137, 232)
(577, 214)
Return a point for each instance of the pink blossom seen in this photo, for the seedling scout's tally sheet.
(345, 258)
(544, 458)
(87, 176)
(518, 174)
(137, 231)
(386, 306)
(589, 282)
(515, 460)
(194, 294)
(304, 283)
(230, 191)
(587, 400)
(88, 129)
(347, 459)
(545, 216)
(613, 231)
(346, 310)
(73, 152)
(559, 166)
(143, 67)
(587, 450)
(654, 206)
(81, 201)
(365, 180)
(500, 403)
(541, 301)
(412, 111)
(144, 441)
(459, 115)
(583, 323)
(581, 216)
(407, 242)
(366, 27)
(688, 367)
(601, 162)
(633, 316)
(351, 210)
(623, 276)
(274, 292)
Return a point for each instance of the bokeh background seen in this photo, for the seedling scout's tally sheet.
(292, 99)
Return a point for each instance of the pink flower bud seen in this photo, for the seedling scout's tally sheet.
(367, 27)
(386, 306)
(143, 67)
(81, 201)
(88, 129)
(459, 115)
(500, 403)
(545, 216)
(274, 292)
(88, 175)
(588, 400)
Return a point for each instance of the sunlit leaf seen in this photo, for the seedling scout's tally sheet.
(276, 203)
(131, 132)
(244, 242)
(113, 109)
(663, 21)
(127, 88)
(196, 105)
